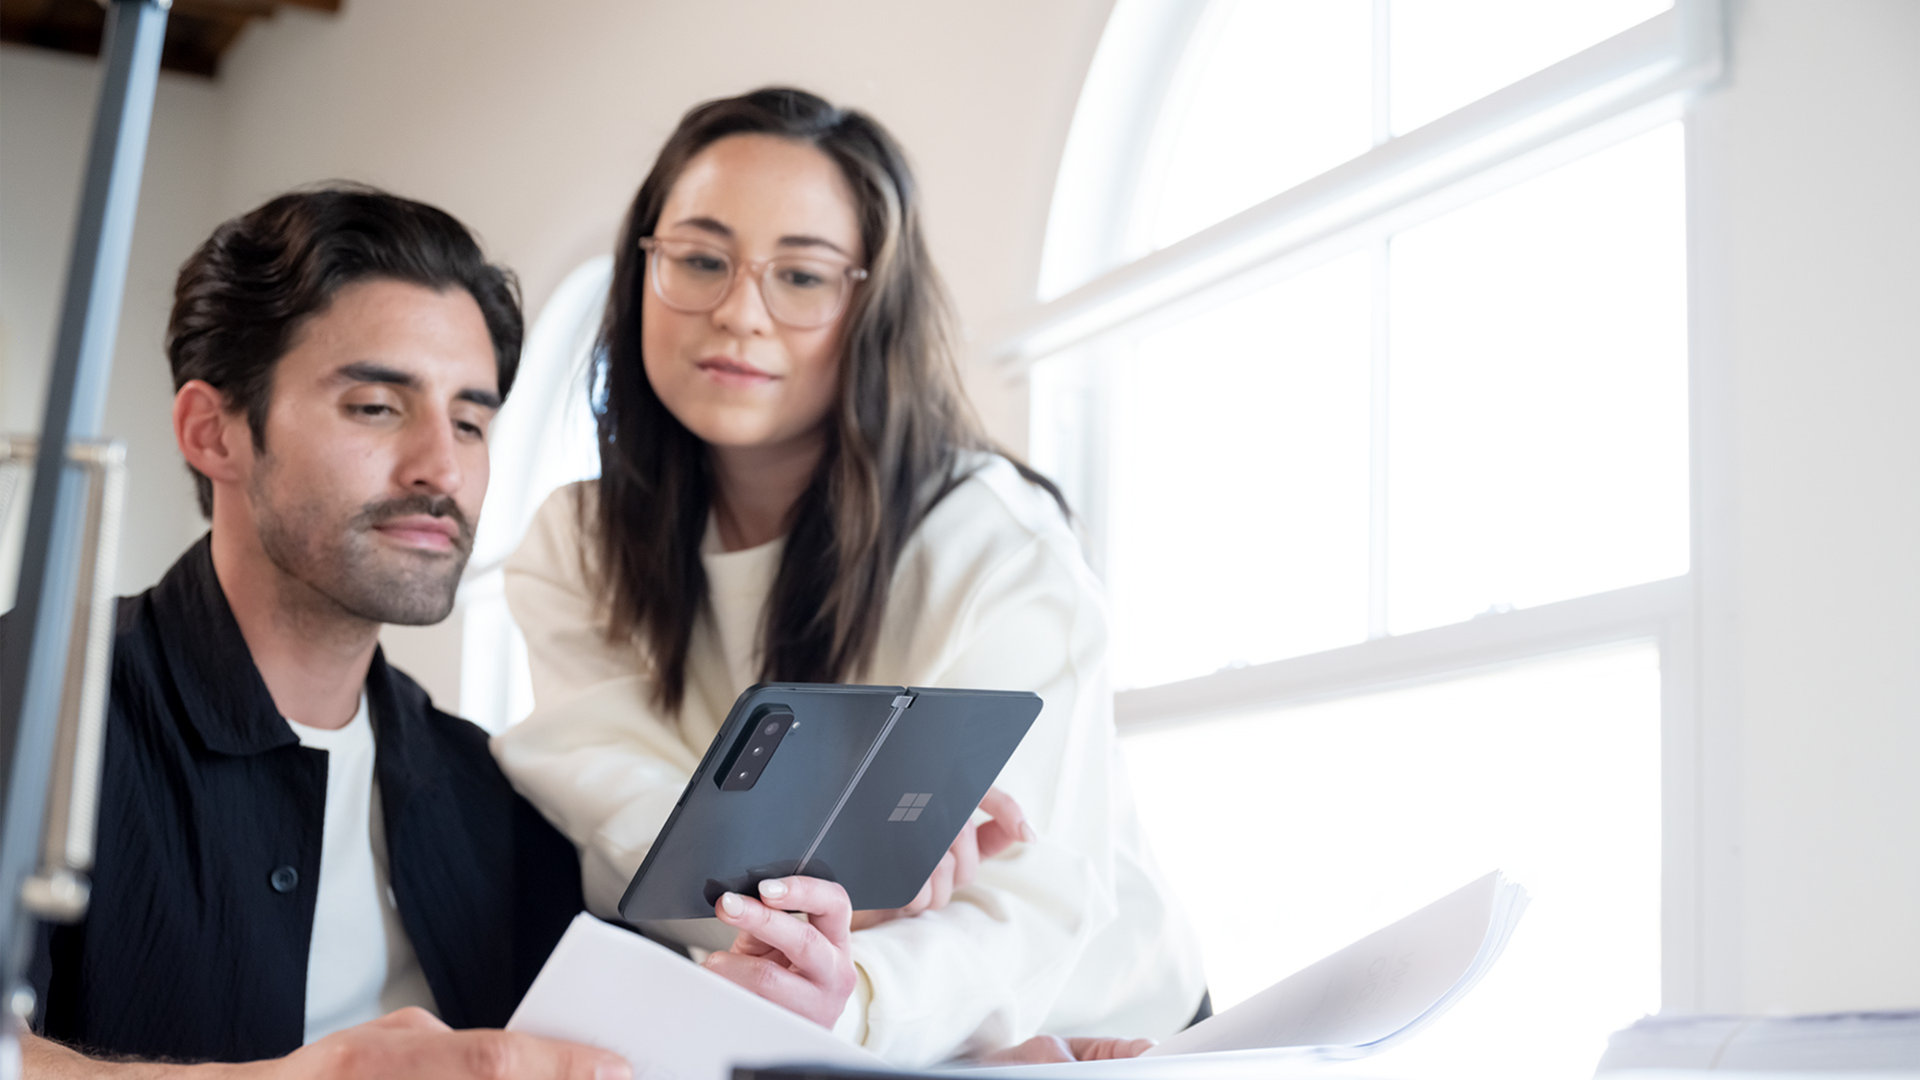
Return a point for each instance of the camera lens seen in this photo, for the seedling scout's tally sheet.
(743, 775)
(758, 750)
(772, 728)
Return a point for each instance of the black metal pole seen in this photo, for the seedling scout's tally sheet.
(35, 663)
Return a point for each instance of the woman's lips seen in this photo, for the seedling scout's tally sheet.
(730, 372)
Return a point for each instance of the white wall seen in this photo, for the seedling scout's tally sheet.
(46, 117)
(1806, 227)
(534, 123)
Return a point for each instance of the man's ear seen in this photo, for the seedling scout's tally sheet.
(216, 442)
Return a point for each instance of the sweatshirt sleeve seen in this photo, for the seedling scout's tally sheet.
(986, 970)
(594, 755)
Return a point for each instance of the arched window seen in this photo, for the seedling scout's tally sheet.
(542, 440)
(1362, 346)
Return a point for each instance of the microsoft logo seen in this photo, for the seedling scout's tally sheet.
(910, 806)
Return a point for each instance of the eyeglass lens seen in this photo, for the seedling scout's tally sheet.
(799, 292)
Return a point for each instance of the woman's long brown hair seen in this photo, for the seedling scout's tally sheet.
(895, 437)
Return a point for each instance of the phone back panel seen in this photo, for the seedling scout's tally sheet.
(923, 784)
(726, 841)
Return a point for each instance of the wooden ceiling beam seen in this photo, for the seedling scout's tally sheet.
(198, 32)
(225, 9)
(23, 11)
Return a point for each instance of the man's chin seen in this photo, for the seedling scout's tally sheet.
(408, 595)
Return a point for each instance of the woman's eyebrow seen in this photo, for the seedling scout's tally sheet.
(798, 240)
(812, 241)
(707, 224)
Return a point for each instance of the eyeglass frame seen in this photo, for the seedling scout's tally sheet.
(759, 267)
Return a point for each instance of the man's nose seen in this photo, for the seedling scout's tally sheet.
(431, 461)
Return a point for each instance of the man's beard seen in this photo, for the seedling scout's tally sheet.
(350, 566)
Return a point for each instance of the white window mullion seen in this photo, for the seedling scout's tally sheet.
(1635, 612)
(1377, 464)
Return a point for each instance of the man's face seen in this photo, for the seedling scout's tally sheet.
(375, 464)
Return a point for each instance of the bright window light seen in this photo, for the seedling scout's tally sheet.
(1290, 833)
(1239, 532)
(1447, 53)
(1267, 95)
(1538, 397)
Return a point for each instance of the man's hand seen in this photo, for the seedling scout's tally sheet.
(1049, 1049)
(1007, 823)
(804, 965)
(414, 1044)
(410, 1043)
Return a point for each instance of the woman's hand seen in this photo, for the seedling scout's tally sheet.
(1006, 824)
(805, 965)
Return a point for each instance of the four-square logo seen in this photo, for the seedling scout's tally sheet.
(910, 806)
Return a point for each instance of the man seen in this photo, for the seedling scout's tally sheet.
(296, 849)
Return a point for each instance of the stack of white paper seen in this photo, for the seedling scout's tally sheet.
(1838, 1042)
(610, 988)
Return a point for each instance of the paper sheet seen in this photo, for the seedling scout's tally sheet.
(674, 1020)
(611, 988)
(1379, 987)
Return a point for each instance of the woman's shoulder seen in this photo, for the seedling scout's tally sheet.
(556, 537)
(994, 514)
(990, 486)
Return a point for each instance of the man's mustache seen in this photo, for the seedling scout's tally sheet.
(374, 514)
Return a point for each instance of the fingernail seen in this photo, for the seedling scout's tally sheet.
(773, 888)
(732, 904)
(1027, 833)
(613, 1070)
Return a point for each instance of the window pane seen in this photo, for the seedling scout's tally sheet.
(1538, 402)
(1447, 53)
(1267, 95)
(1238, 516)
(1289, 834)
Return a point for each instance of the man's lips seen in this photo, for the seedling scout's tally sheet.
(422, 531)
(728, 371)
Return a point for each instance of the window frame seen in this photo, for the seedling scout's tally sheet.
(1091, 289)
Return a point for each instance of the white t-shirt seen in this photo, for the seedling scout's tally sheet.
(360, 965)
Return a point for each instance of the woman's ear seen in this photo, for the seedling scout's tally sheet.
(217, 443)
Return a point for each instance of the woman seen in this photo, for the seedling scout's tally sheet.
(792, 488)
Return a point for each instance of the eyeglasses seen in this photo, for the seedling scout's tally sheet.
(801, 292)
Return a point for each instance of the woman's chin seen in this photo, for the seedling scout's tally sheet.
(728, 430)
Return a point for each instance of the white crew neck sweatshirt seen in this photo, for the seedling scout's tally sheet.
(1074, 934)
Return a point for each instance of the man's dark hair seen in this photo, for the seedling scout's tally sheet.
(242, 297)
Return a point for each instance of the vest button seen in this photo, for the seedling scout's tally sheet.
(283, 879)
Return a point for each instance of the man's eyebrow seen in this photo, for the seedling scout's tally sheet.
(486, 399)
(367, 371)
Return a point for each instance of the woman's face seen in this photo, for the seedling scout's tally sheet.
(734, 376)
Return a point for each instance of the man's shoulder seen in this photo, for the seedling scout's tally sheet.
(434, 722)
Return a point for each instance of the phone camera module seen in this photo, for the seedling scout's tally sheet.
(754, 750)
